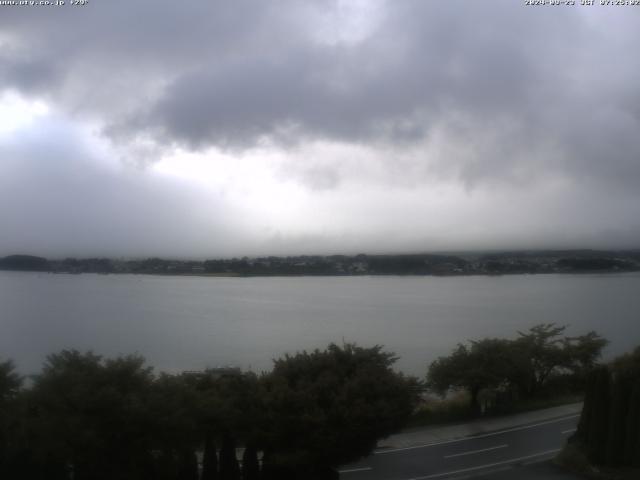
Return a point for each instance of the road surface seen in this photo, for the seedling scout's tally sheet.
(490, 455)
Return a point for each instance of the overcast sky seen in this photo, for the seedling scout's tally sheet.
(210, 128)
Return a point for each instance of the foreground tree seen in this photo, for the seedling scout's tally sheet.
(209, 459)
(174, 424)
(90, 416)
(543, 350)
(10, 383)
(609, 428)
(188, 469)
(229, 468)
(250, 464)
(484, 364)
(525, 364)
(330, 407)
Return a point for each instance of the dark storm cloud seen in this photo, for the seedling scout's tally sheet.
(521, 85)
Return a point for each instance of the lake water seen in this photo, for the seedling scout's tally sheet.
(188, 323)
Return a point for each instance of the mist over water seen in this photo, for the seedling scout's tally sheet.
(189, 323)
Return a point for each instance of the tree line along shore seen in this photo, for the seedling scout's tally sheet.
(496, 263)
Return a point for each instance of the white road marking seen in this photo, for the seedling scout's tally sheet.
(571, 430)
(484, 435)
(352, 470)
(476, 451)
(534, 462)
(484, 473)
(488, 465)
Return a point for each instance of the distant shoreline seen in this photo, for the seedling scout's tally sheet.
(327, 275)
(493, 264)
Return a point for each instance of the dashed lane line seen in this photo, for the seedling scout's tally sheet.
(353, 470)
(471, 452)
(488, 465)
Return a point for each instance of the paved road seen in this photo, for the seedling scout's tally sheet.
(490, 455)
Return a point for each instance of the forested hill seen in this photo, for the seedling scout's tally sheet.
(564, 261)
(24, 262)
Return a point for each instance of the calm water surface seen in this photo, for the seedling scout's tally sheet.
(192, 322)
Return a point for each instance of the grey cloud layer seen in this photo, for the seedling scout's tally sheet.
(487, 94)
(59, 198)
(508, 79)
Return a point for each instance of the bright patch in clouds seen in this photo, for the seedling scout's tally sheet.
(250, 183)
(17, 112)
(351, 22)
